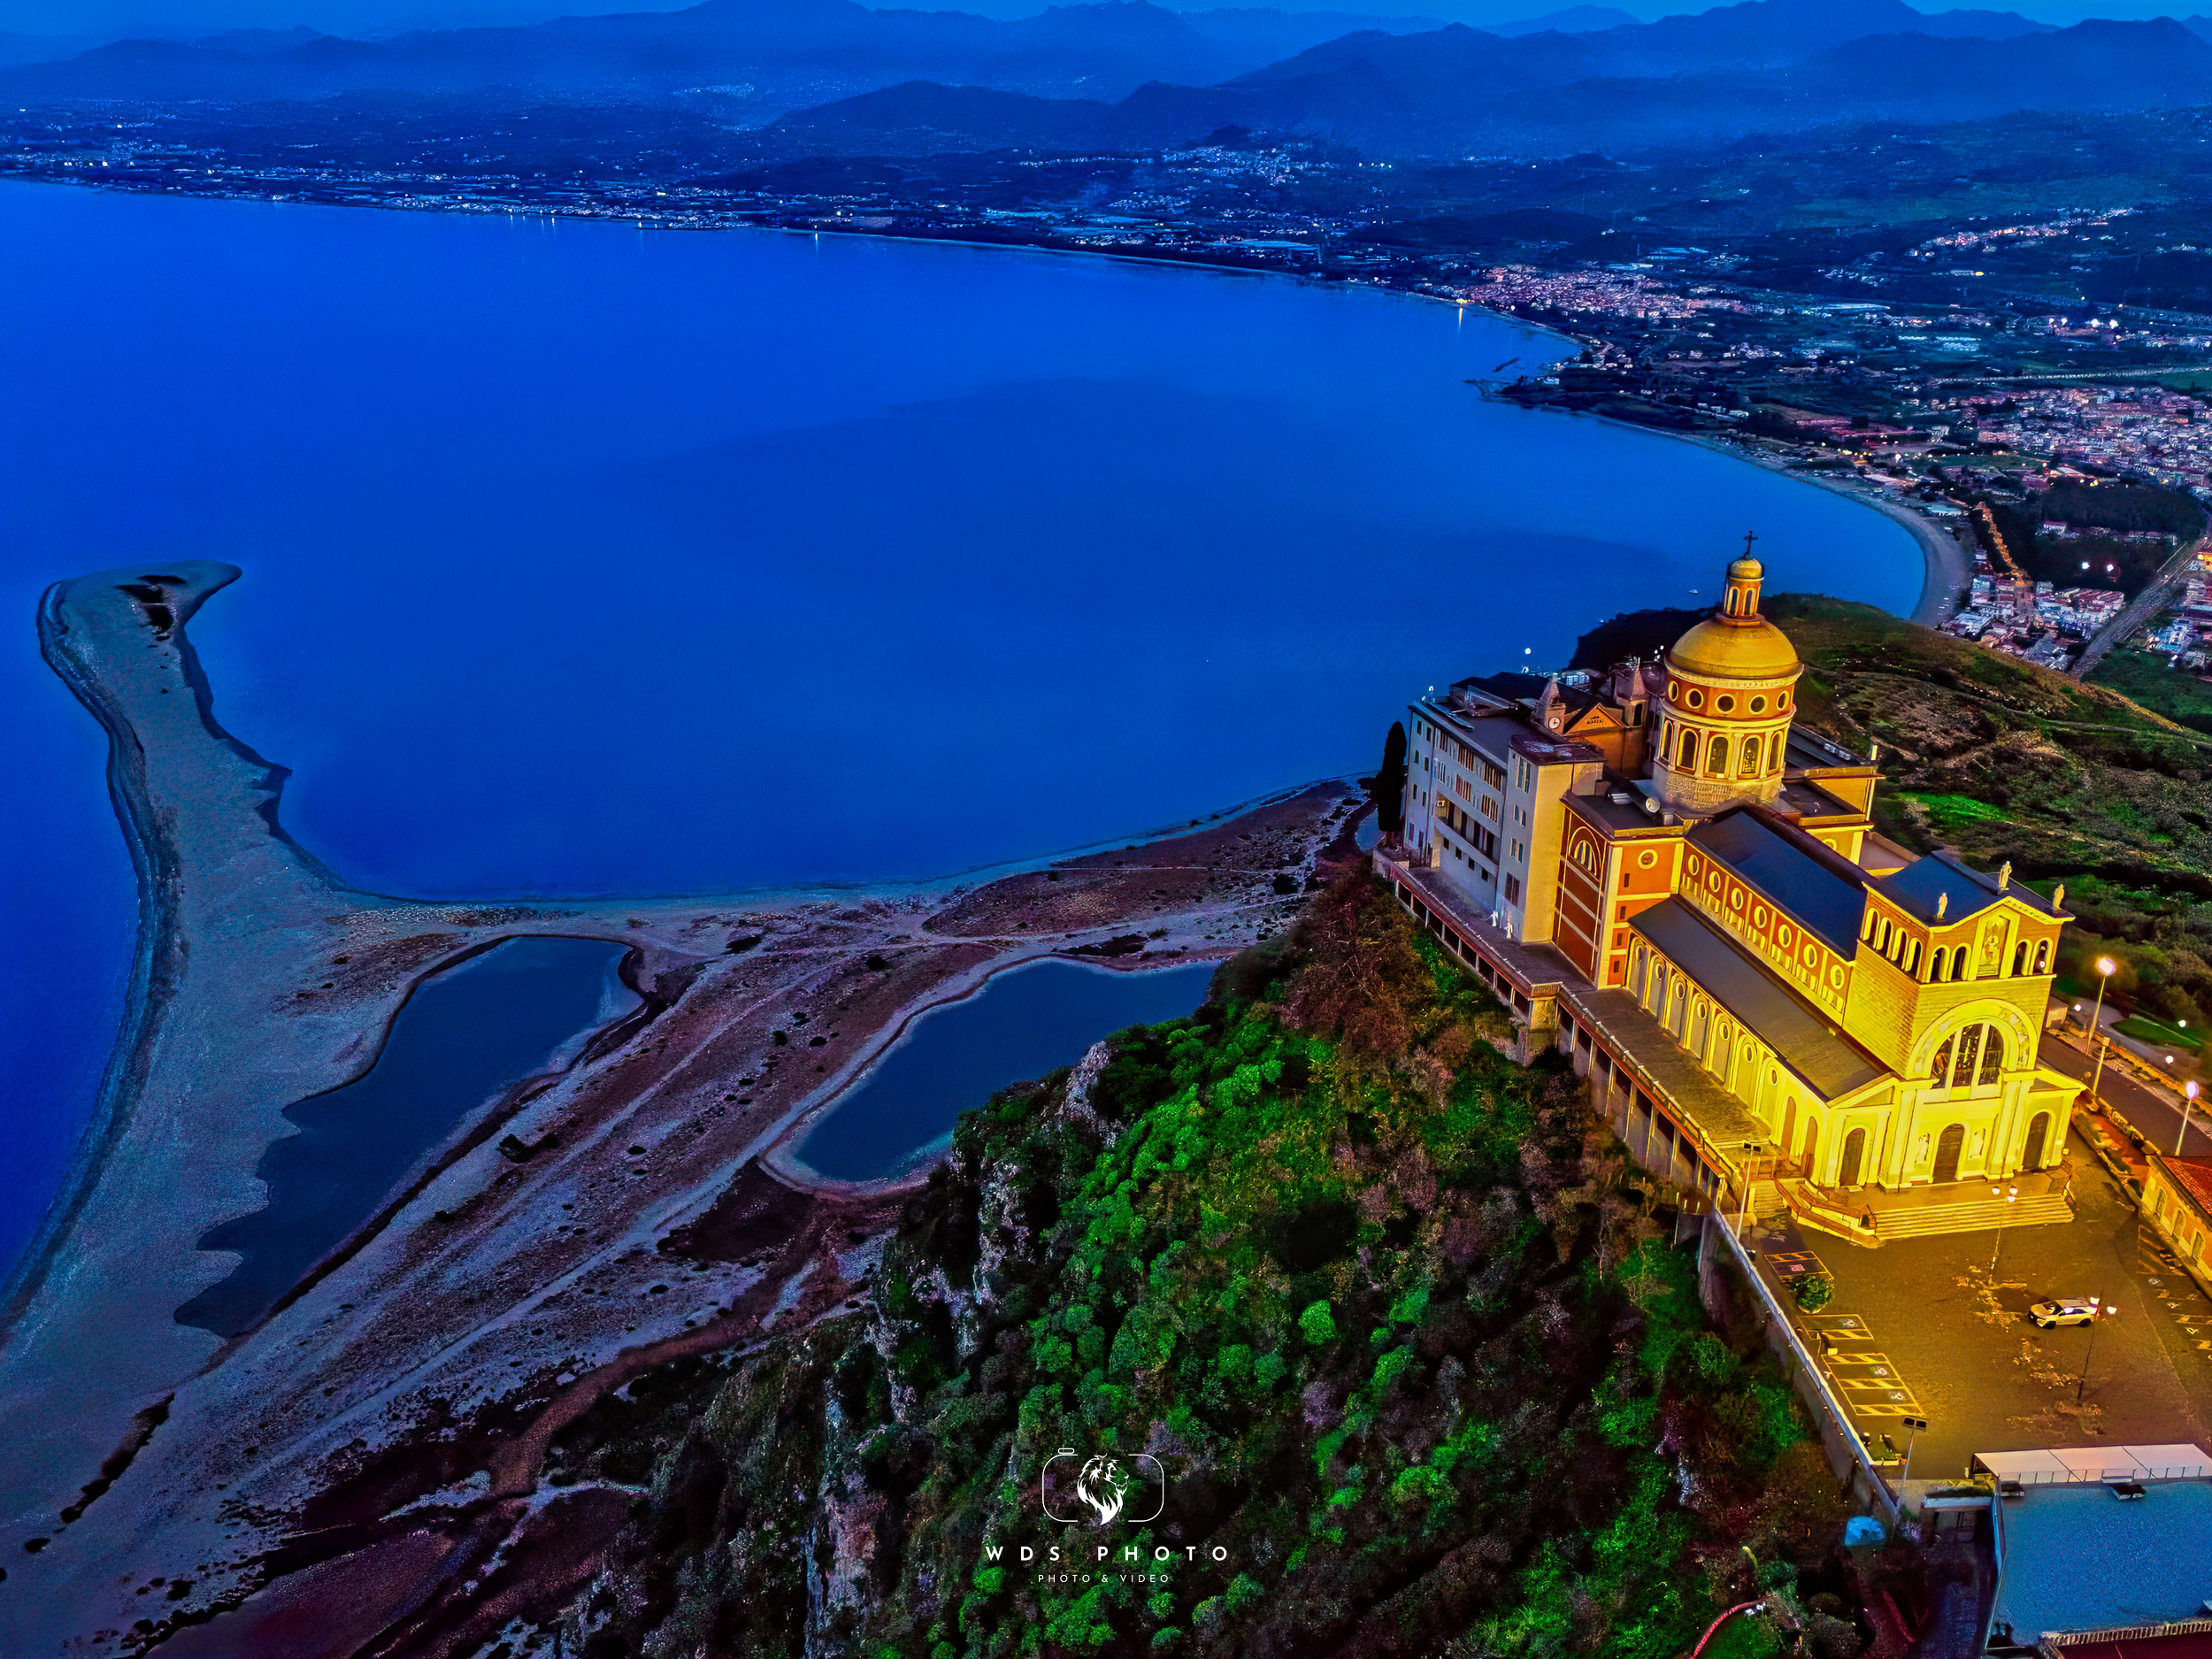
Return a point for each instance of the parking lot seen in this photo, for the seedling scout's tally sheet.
(1922, 1328)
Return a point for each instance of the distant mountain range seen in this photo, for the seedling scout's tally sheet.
(844, 78)
(1769, 66)
(774, 54)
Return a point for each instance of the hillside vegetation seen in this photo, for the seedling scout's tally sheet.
(1391, 1311)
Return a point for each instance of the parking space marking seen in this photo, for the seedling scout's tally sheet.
(2172, 1290)
(1867, 1380)
(1797, 1264)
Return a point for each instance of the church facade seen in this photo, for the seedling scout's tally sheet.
(1663, 838)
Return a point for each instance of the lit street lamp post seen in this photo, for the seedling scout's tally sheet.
(1751, 1150)
(2092, 1349)
(2106, 967)
(2011, 1196)
(2188, 1101)
(1913, 1425)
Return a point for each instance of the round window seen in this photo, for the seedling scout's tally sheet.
(1781, 699)
(1759, 914)
(1697, 700)
(1835, 976)
(1782, 936)
(1644, 861)
(1758, 705)
(1811, 955)
(1724, 703)
(1694, 866)
(1735, 898)
(1713, 881)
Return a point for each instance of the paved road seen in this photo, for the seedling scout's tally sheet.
(2155, 1112)
(1921, 1327)
(2140, 610)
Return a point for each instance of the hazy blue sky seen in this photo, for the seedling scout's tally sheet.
(111, 17)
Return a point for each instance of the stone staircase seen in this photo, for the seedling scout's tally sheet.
(1919, 1221)
(1839, 1215)
(1767, 1203)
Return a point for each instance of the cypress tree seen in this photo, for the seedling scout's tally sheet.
(1390, 782)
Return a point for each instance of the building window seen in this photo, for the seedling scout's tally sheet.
(1993, 1056)
(1716, 758)
(1689, 751)
(1724, 704)
(1512, 889)
(2020, 960)
(2043, 957)
(1758, 705)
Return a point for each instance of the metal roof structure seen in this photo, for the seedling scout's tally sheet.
(1799, 1034)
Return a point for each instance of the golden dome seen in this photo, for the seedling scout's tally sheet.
(1736, 642)
(1725, 648)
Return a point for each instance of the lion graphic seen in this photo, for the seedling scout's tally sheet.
(1102, 1489)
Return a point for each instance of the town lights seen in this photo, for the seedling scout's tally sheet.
(2188, 1105)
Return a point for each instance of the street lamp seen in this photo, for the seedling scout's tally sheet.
(2188, 1101)
(2011, 1196)
(2087, 1352)
(1912, 1428)
(1751, 1149)
(2106, 968)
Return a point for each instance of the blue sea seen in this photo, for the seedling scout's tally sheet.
(583, 558)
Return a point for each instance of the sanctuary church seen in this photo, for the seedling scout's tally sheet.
(1659, 872)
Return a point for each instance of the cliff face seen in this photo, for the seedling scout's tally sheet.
(1373, 1330)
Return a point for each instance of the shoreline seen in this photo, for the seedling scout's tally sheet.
(491, 1272)
(781, 1159)
(1946, 570)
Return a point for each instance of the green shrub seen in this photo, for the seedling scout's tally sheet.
(1317, 1324)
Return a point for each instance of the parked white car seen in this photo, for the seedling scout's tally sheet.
(2064, 1311)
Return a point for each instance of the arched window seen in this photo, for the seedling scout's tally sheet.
(1912, 962)
(1750, 763)
(1939, 1072)
(1731, 602)
(1958, 963)
(1992, 1054)
(2043, 957)
(1636, 974)
(1774, 753)
(1716, 758)
(1689, 751)
(2020, 960)
(1881, 935)
(1866, 924)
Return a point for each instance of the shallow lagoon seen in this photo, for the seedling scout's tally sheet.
(1021, 1024)
(464, 1036)
(580, 558)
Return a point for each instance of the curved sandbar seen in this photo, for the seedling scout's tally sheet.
(566, 1240)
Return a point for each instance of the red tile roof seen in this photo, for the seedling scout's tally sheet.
(2193, 1176)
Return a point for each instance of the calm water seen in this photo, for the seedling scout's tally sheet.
(1021, 1024)
(461, 1038)
(583, 558)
